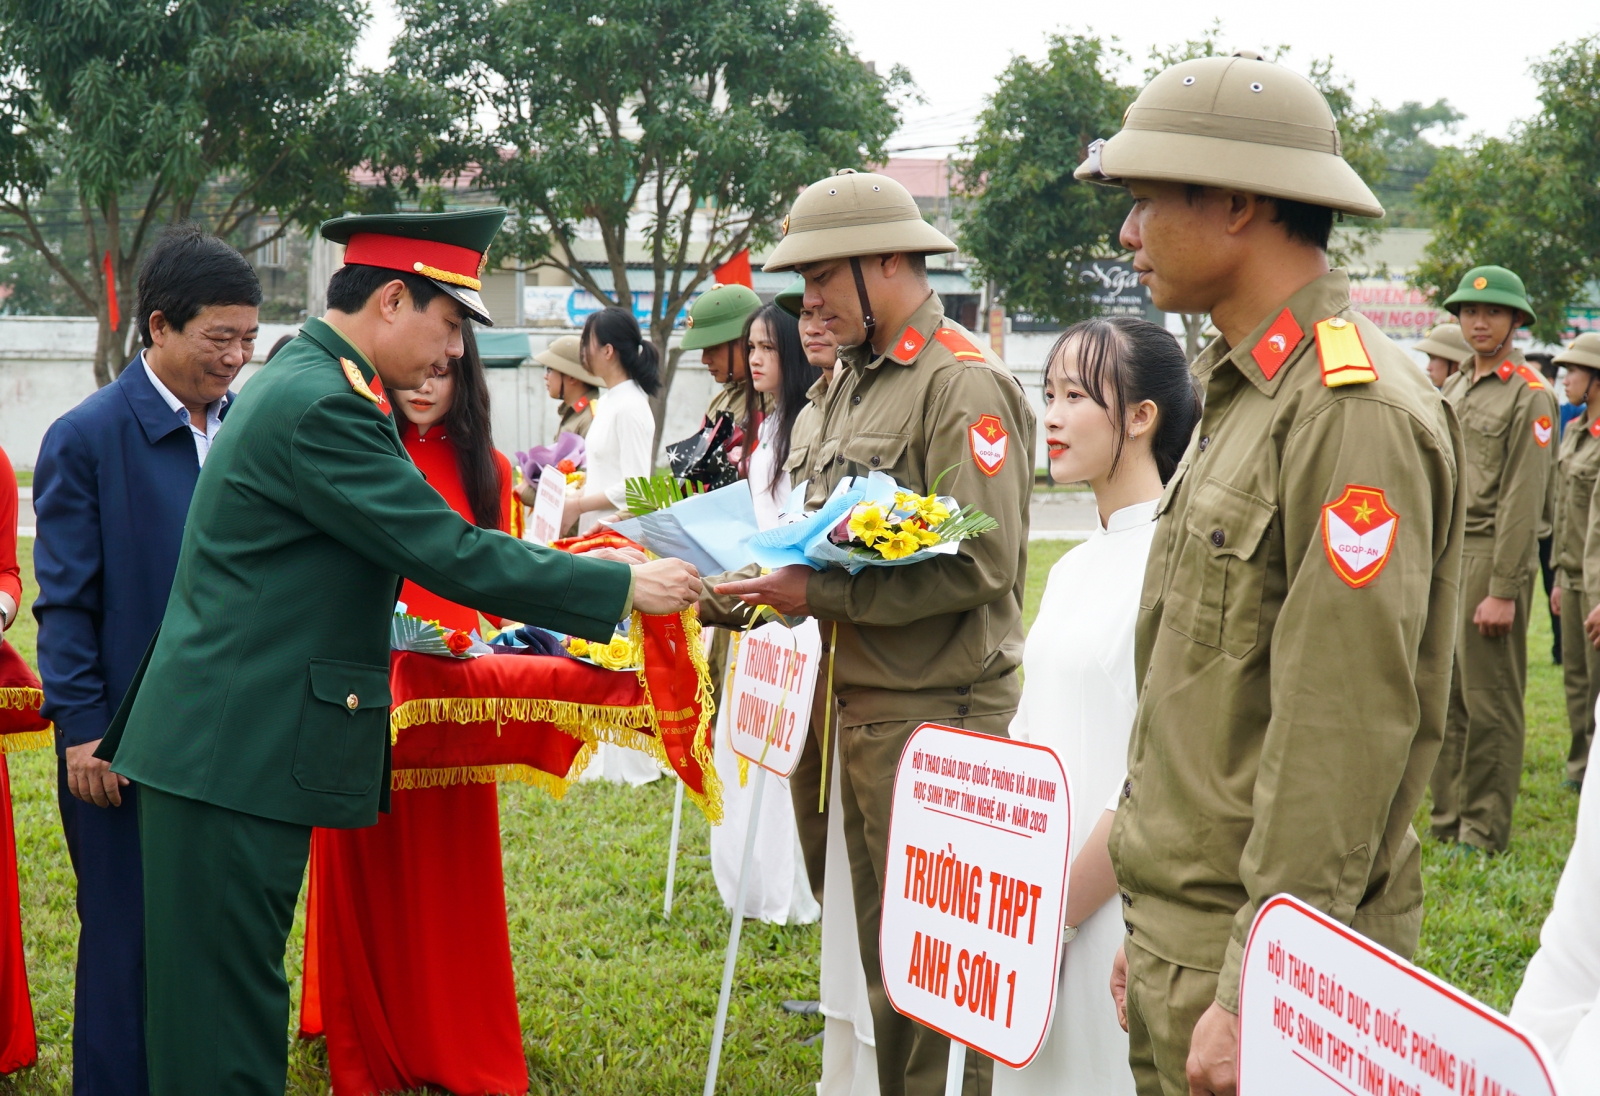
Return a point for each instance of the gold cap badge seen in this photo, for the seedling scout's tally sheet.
(1480, 282)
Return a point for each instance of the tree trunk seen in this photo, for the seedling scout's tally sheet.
(661, 336)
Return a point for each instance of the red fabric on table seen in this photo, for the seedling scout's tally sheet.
(21, 725)
(408, 963)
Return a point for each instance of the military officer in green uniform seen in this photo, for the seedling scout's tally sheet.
(1295, 630)
(1508, 418)
(1577, 548)
(1447, 351)
(262, 708)
(913, 395)
(568, 381)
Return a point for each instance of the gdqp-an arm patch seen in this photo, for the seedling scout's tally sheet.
(1543, 431)
(1358, 531)
(989, 443)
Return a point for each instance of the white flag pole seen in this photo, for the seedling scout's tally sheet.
(672, 848)
(733, 933)
(956, 1070)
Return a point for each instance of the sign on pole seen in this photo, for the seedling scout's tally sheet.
(976, 889)
(1322, 1009)
(769, 700)
(545, 524)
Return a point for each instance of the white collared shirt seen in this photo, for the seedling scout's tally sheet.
(202, 438)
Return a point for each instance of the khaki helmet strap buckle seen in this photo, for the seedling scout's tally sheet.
(866, 302)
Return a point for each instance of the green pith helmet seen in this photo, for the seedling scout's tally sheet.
(1235, 122)
(851, 214)
(1584, 351)
(1491, 285)
(1446, 341)
(792, 296)
(565, 356)
(717, 316)
(449, 249)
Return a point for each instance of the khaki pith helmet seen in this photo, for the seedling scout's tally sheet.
(1584, 351)
(1446, 341)
(565, 356)
(1491, 285)
(1236, 122)
(854, 213)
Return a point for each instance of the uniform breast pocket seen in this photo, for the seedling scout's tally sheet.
(343, 723)
(1215, 598)
(876, 452)
(1486, 440)
(798, 464)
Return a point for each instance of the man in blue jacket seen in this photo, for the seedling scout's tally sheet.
(111, 491)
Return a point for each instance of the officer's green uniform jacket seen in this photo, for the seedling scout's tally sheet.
(1288, 720)
(1504, 417)
(1575, 549)
(576, 418)
(940, 638)
(266, 690)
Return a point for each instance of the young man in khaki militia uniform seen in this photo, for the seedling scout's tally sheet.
(1447, 350)
(715, 325)
(567, 380)
(1508, 417)
(940, 640)
(1577, 548)
(1298, 613)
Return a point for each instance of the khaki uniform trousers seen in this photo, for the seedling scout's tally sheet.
(805, 786)
(1479, 769)
(1165, 1001)
(911, 1058)
(1580, 670)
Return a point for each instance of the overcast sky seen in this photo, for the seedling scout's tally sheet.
(1392, 51)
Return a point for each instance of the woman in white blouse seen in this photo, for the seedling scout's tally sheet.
(1120, 405)
(624, 429)
(619, 443)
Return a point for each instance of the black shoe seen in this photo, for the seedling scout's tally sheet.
(803, 1008)
(1572, 785)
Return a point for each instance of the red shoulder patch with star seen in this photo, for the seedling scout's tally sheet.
(1358, 531)
(1533, 377)
(908, 345)
(1542, 430)
(989, 444)
(953, 341)
(1277, 344)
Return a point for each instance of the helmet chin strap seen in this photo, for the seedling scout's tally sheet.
(867, 318)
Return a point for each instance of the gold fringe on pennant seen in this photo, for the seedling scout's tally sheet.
(556, 786)
(22, 699)
(27, 740)
(565, 714)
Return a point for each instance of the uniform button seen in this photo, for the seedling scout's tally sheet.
(838, 460)
(855, 401)
(843, 703)
(352, 702)
(1205, 441)
(1127, 789)
(1126, 899)
(1218, 538)
(1130, 930)
(962, 710)
(875, 461)
(962, 690)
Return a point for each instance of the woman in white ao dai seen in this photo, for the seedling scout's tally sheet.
(1120, 405)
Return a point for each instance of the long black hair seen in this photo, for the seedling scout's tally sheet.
(618, 329)
(797, 375)
(1123, 361)
(466, 424)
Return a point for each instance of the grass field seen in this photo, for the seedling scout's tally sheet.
(614, 1000)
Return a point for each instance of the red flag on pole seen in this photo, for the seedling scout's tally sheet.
(111, 294)
(736, 271)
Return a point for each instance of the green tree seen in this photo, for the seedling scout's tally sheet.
(669, 133)
(1528, 201)
(1029, 220)
(117, 116)
(1409, 157)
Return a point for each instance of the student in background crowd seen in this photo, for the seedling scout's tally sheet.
(1446, 349)
(1577, 589)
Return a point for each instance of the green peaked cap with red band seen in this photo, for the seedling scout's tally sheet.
(449, 249)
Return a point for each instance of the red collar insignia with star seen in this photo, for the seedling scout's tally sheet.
(1277, 344)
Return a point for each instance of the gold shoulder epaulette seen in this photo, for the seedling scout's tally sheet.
(958, 344)
(1532, 377)
(353, 375)
(1343, 356)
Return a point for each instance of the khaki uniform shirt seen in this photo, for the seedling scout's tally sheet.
(1508, 420)
(806, 434)
(734, 397)
(1289, 716)
(576, 417)
(1575, 549)
(940, 638)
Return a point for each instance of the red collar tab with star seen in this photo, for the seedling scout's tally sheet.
(953, 341)
(1358, 531)
(1543, 431)
(1277, 344)
(1594, 427)
(1505, 370)
(908, 346)
(989, 443)
(373, 391)
(1343, 356)
(582, 405)
(1533, 377)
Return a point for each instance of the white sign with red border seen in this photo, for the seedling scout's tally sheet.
(976, 888)
(1322, 1009)
(769, 694)
(545, 524)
